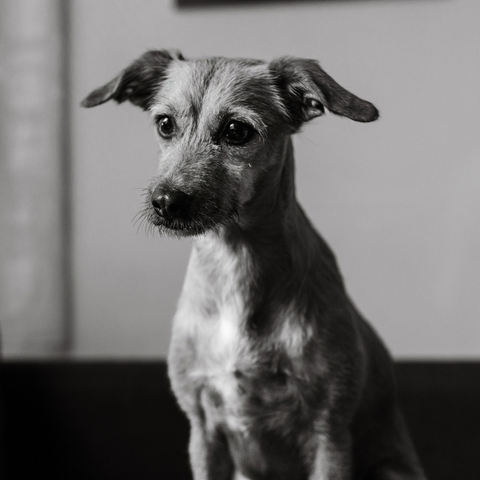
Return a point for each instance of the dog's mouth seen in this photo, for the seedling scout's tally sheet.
(198, 221)
(179, 227)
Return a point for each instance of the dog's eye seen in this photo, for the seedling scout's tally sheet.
(238, 133)
(165, 126)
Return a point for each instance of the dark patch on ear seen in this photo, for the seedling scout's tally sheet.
(307, 89)
(138, 83)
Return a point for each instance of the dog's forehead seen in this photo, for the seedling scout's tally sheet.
(215, 85)
(225, 78)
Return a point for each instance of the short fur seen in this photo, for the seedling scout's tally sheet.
(278, 373)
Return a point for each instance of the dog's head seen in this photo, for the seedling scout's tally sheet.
(221, 125)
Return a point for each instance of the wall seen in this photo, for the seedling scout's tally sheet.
(33, 292)
(398, 200)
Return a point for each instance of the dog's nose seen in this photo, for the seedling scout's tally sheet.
(170, 204)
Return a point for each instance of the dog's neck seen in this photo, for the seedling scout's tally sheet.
(268, 252)
(267, 222)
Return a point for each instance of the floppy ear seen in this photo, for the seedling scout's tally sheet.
(307, 90)
(138, 83)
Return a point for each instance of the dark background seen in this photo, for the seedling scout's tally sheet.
(119, 420)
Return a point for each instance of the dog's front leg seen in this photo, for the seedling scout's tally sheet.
(209, 454)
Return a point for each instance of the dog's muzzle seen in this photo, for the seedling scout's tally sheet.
(174, 211)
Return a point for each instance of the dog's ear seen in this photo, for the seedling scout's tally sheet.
(138, 83)
(307, 90)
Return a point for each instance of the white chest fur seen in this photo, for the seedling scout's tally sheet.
(220, 356)
(219, 348)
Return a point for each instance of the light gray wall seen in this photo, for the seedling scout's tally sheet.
(33, 294)
(398, 200)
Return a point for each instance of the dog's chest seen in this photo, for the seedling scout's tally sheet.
(216, 358)
(237, 380)
(221, 352)
(212, 316)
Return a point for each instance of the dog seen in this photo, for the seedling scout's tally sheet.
(279, 374)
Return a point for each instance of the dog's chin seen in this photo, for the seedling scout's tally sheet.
(184, 228)
(181, 229)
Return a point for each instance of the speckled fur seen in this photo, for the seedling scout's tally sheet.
(278, 373)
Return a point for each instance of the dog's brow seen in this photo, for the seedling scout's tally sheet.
(183, 92)
(209, 113)
(246, 115)
(210, 91)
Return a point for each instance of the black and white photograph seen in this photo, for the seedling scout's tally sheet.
(239, 239)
